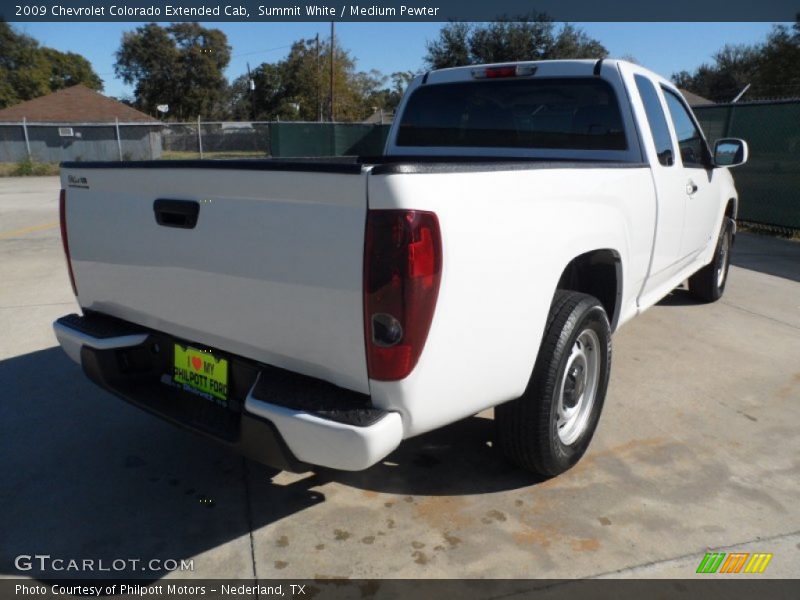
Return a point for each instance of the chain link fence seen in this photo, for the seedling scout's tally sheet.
(58, 142)
(769, 183)
(216, 140)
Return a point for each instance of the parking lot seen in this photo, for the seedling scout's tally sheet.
(698, 449)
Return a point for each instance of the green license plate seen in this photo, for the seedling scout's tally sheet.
(201, 372)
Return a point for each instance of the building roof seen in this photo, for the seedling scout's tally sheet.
(380, 117)
(691, 99)
(76, 104)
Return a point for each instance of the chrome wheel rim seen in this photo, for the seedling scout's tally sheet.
(577, 388)
(724, 251)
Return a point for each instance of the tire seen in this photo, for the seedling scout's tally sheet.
(529, 430)
(708, 284)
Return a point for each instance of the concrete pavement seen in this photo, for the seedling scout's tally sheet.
(697, 449)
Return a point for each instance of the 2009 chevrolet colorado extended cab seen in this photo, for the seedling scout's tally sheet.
(318, 312)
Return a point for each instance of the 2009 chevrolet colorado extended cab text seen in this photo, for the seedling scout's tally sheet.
(318, 312)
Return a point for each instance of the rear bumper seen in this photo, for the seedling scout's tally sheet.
(278, 418)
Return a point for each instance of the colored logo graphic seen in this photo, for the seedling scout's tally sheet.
(735, 562)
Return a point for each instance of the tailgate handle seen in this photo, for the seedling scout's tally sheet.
(176, 213)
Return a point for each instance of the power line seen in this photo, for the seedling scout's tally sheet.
(261, 51)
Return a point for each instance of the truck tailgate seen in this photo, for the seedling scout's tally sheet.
(272, 269)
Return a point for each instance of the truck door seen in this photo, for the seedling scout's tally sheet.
(702, 201)
(668, 179)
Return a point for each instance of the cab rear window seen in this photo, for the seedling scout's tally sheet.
(554, 113)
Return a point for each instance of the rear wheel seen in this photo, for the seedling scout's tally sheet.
(708, 284)
(549, 427)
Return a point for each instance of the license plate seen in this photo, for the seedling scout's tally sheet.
(201, 372)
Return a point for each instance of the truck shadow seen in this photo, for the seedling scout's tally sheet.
(458, 459)
(86, 476)
(678, 297)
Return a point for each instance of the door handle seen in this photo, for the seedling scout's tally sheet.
(691, 187)
(176, 213)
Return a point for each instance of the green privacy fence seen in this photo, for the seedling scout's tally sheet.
(327, 139)
(769, 184)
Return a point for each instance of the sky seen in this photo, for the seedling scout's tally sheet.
(665, 48)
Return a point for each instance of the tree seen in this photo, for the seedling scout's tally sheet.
(23, 70)
(68, 69)
(532, 38)
(147, 58)
(572, 42)
(266, 97)
(389, 98)
(181, 65)
(452, 47)
(297, 88)
(28, 70)
(772, 69)
(202, 56)
(734, 67)
(779, 62)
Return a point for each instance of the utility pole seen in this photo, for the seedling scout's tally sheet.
(251, 85)
(333, 49)
(319, 84)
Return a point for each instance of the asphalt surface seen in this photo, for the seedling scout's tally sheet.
(697, 450)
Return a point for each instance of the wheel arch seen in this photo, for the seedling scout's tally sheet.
(732, 208)
(598, 273)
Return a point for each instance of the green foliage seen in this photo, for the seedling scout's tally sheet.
(30, 167)
(779, 65)
(452, 47)
(772, 69)
(297, 88)
(734, 67)
(181, 65)
(28, 70)
(533, 38)
(387, 98)
(68, 69)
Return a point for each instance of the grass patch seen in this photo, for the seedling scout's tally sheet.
(785, 233)
(188, 154)
(28, 168)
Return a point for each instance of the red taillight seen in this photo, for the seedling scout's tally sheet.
(62, 217)
(491, 73)
(519, 70)
(402, 270)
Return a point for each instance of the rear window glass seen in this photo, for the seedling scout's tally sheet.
(575, 114)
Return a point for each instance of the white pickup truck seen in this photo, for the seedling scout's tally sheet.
(318, 312)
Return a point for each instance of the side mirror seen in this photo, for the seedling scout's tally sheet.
(730, 152)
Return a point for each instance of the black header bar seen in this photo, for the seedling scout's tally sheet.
(395, 10)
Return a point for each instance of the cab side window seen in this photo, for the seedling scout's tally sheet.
(656, 120)
(690, 141)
